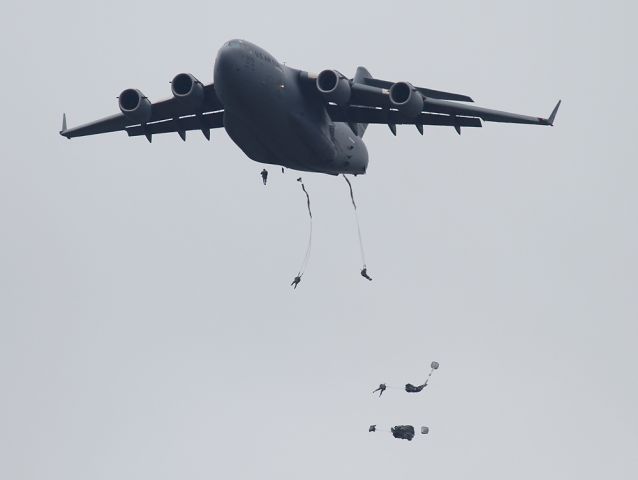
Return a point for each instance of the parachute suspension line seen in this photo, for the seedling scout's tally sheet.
(306, 259)
(356, 216)
(433, 366)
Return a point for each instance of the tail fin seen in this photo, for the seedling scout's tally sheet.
(362, 72)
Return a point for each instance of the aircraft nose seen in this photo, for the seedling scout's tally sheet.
(227, 63)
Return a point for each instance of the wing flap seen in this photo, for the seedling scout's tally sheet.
(393, 117)
(203, 122)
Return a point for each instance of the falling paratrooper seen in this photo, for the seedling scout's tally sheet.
(364, 268)
(304, 264)
(408, 386)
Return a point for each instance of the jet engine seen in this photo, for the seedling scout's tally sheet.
(188, 89)
(406, 99)
(334, 86)
(134, 105)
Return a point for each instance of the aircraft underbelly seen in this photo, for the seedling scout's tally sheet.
(273, 121)
(247, 139)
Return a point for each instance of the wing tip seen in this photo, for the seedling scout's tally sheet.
(552, 116)
(64, 132)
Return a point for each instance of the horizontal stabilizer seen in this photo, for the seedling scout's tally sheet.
(428, 92)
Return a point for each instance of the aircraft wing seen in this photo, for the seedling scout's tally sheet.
(170, 115)
(369, 101)
(356, 114)
(486, 114)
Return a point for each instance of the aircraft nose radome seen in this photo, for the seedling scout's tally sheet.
(230, 54)
(227, 63)
(224, 58)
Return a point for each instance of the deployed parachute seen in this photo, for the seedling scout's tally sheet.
(417, 388)
(408, 386)
(404, 432)
(304, 263)
(364, 268)
(414, 389)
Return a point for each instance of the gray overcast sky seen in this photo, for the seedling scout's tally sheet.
(147, 326)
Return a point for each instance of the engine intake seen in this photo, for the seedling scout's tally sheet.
(134, 105)
(334, 86)
(406, 99)
(187, 89)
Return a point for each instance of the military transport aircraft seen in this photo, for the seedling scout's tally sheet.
(283, 116)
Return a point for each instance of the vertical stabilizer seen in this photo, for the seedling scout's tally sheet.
(359, 76)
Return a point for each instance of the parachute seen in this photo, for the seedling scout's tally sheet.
(408, 386)
(304, 263)
(414, 389)
(306, 259)
(404, 432)
(417, 388)
(364, 268)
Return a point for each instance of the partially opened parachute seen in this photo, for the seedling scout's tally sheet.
(417, 388)
(408, 386)
(404, 432)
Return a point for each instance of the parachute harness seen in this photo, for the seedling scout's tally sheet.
(356, 216)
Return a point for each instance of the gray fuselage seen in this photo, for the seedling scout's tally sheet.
(275, 119)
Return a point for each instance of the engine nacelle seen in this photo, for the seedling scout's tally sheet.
(135, 105)
(334, 86)
(187, 89)
(406, 99)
